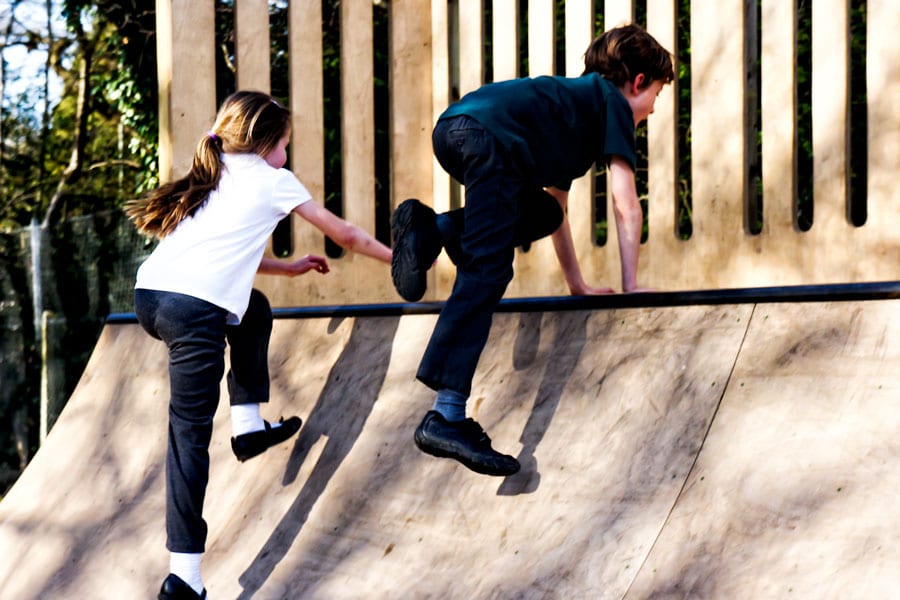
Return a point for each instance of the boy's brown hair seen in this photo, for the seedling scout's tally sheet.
(620, 54)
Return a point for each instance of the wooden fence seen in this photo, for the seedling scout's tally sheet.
(743, 88)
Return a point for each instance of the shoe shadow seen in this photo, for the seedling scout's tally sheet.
(340, 413)
(568, 342)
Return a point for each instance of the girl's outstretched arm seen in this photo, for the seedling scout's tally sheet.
(310, 262)
(346, 235)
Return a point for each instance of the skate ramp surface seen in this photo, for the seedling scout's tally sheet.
(720, 450)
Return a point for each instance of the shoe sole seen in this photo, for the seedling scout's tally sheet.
(422, 444)
(408, 273)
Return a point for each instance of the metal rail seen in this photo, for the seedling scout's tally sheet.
(839, 292)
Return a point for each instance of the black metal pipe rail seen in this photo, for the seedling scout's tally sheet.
(832, 292)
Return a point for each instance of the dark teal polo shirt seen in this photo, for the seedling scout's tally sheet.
(555, 128)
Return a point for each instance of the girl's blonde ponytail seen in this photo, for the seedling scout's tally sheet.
(248, 122)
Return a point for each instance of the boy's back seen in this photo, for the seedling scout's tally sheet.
(556, 127)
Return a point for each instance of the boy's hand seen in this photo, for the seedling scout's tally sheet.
(584, 289)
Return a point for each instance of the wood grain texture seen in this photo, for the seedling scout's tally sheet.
(694, 451)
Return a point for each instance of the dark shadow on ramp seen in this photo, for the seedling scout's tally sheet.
(338, 416)
(568, 342)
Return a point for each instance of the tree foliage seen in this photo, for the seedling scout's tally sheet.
(103, 122)
(77, 138)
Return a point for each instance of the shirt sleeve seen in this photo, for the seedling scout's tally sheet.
(288, 193)
(619, 135)
(563, 184)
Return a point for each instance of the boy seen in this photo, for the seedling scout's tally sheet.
(516, 146)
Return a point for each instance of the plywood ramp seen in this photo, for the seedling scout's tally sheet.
(736, 451)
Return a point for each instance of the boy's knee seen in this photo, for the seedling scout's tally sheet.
(546, 215)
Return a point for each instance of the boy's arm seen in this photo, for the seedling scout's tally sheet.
(345, 234)
(565, 252)
(629, 220)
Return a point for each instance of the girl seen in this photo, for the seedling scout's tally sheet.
(195, 293)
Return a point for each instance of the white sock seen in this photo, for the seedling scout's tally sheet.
(245, 418)
(187, 567)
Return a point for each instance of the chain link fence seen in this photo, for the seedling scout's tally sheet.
(49, 324)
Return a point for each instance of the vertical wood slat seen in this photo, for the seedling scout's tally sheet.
(251, 26)
(411, 105)
(599, 265)
(717, 116)
(187, 72)
(533, 266)
(883, 85)
(358, 124)
(412, 100)
(830, 112)
(440, 55)
(440, 281)
(541, 37)
(663, 248)
(505, 15)
(471, 69)
(779, 121)
(305, 57)
(440, 85)
(617, 12)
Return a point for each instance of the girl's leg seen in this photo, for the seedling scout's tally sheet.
(248, 378)
(248, 382)
(194, 331)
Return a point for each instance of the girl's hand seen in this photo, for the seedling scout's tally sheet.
(310, 262)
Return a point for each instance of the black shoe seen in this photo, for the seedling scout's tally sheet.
(417, 243)
(464, 441)
(256, 442)
(174, 588)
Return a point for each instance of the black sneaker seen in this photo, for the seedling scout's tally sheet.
(255, 443)
(417, 243)
(465, 441)
(174, 588)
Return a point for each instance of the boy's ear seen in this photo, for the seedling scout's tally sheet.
(638, 83)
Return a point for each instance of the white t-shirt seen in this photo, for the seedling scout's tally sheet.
(214, 255)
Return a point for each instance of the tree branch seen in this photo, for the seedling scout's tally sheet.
(82, 109)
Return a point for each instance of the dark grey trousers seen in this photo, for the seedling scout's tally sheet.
(195, 333)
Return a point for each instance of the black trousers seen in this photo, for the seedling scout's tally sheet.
(503, 210)
(195, 333)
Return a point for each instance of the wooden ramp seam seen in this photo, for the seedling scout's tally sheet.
(696, 456)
